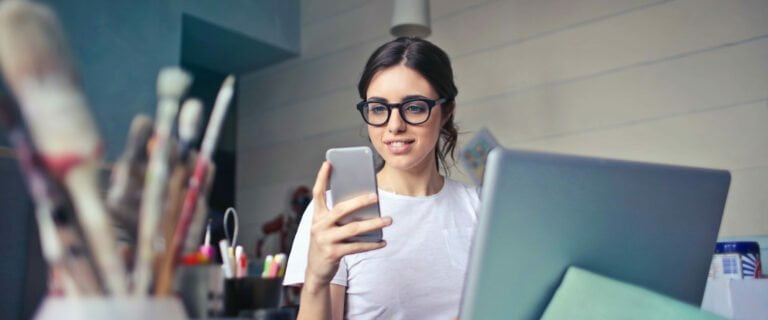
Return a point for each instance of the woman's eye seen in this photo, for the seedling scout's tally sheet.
(377, 109)
(416, 108)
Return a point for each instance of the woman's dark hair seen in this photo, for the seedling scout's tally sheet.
(434, 65)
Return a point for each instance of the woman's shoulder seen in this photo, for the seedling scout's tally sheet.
(458, 185)
(462, 189)
(467, 195)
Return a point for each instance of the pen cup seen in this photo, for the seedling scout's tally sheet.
(249, 294)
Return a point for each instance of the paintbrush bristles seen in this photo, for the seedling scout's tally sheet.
(172, 82)
(31, 42)
(189, 119)
(124, 195)
(139, 134)
(38, 68)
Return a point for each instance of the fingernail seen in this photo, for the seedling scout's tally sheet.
(387, 220)
(372, 196)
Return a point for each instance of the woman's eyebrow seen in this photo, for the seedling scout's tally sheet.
(377, 99)
(416, 96)
(408, 97)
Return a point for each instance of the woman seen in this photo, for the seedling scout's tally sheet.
(418, 270)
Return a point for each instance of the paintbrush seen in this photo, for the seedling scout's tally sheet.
(196, 226)
(127, 181)
(176, 189)
(60, 241)
(197, 182)
(76, 260)
(171, 85)
(201, 178)
(36, 63)
(188, 128)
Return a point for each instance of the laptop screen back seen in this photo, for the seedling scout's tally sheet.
(646, 224)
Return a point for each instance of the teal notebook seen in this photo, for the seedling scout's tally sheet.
(589, 296)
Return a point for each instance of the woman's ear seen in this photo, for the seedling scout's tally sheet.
(447, 113)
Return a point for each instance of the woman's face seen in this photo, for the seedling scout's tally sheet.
(404, 146)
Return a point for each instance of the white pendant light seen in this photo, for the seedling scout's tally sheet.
(411, 19)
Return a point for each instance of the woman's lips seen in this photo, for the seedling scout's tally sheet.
(399, 147)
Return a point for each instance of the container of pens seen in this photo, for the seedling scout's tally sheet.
(247, 289)
(247, 294)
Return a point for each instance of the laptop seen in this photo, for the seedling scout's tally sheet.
(650, 225)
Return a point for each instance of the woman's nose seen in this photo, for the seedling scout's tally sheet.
(396, 123)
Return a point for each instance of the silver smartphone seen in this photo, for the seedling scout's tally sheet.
(353, 174)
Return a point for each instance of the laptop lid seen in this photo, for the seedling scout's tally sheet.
(647, 224)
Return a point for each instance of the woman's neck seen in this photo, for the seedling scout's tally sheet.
(416, 183)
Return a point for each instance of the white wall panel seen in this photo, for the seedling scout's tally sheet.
(288, 161)
(729, 138)
(312, 117)
(746, 212)
(503, 23)
(659, 32)
(713, 79)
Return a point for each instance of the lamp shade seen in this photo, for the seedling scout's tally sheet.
(411, 19)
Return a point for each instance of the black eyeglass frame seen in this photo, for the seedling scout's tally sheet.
(430, 104)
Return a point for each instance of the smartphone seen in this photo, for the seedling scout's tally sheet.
(352, 175)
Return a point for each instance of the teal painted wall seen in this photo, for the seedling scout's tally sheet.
(120, 46)
(275, 22)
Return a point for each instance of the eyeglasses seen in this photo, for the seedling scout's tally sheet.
(412, 111)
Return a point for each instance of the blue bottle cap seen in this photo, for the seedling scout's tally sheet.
(741, 247)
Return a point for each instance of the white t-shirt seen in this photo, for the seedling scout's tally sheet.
(421, 271)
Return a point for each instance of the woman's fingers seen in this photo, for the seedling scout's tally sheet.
(358, 247)
(318, 191)
(347, 207)
(359, 227)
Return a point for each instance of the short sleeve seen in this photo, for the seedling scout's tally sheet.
(297, 261)
(469, 195)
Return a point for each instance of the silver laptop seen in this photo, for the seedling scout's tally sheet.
(646, 224)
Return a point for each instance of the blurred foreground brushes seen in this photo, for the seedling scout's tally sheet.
(36, 63)
(158, 185)
(60, 238)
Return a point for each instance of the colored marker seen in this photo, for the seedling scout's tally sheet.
(267, 264)
(282, 258)
(227, 264)
(207, 249)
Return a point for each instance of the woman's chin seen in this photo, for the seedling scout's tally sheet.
(402, 162)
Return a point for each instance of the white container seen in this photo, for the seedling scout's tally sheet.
(738, 299)
(112, 308)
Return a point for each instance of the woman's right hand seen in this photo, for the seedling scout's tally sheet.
(326, 244)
